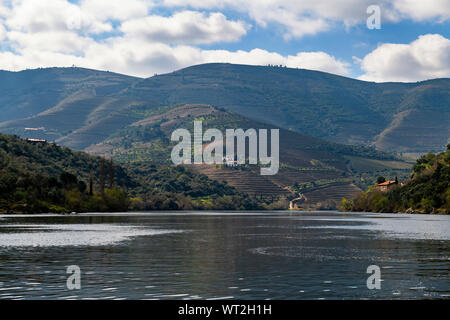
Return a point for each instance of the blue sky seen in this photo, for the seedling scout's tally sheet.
(144, 37)
(341, 42)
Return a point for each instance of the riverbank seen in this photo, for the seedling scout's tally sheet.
(426, 191)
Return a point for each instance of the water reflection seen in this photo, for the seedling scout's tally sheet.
(315, 255)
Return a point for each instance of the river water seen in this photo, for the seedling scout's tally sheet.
(242, 255)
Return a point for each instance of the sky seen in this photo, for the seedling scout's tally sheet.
(147, 37)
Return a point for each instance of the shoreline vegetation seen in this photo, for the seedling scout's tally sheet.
(427, 191)
(41, 177)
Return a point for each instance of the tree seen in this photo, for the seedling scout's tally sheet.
(68, 179)
(91, 182)
(381, 180)
(111, 174)
(102, 176)
(74, 200)
(116, 200)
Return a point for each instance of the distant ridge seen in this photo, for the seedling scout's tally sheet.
(80, 107)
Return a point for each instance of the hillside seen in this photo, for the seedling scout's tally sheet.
(79, 107)
(30, 92)
(327, 170)
(40, 177)
(51, 103)
(426, 191)
(388, 115)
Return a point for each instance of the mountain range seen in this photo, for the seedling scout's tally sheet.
(335, 131)
(79, 107)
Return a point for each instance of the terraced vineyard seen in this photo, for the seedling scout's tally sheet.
(330, 194)
(290, 176)
(305, 161)
(244, 180)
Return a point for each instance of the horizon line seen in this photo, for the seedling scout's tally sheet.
(218, 63)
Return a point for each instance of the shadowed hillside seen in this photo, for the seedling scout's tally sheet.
(307, 164)
(40, 177)
(52, 103)
(131, 119)
(79, 107)
(389, 115)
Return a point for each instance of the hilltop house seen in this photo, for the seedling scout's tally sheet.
(387, 185)
(36, 140)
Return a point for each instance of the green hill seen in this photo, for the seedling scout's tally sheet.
(306, 163)
(39, 177)
(399, 117)
(320, 116)
(29, 93)
(79, 107)
(426, 191)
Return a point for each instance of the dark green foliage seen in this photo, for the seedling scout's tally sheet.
(381, 179)
(427, 190)
(175, 187)
(51, 160)
(41, 177)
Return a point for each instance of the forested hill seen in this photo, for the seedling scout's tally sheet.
(79, 108)
(39, 177)
(426, 191)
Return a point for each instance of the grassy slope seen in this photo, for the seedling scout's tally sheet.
(405, 117)
(314, 103)
(61, 100)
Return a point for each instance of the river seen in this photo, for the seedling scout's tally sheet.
(225, 255)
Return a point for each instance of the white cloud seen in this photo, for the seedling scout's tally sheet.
(189, 27)
(119, 10)
(4, 10)
(45, 15)
(135, 57)
(164, 58)
(50, 41)
(319, 61)
(299, 18)
(425, 58)
(62, 35)
(130, 37)
(420, 10)
(2, 31)
(295, 27)
(52, 15)
(309, 17)
(91, 16)
(35, 59)
(307, 60)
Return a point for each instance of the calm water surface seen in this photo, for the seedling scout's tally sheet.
(275, 255)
